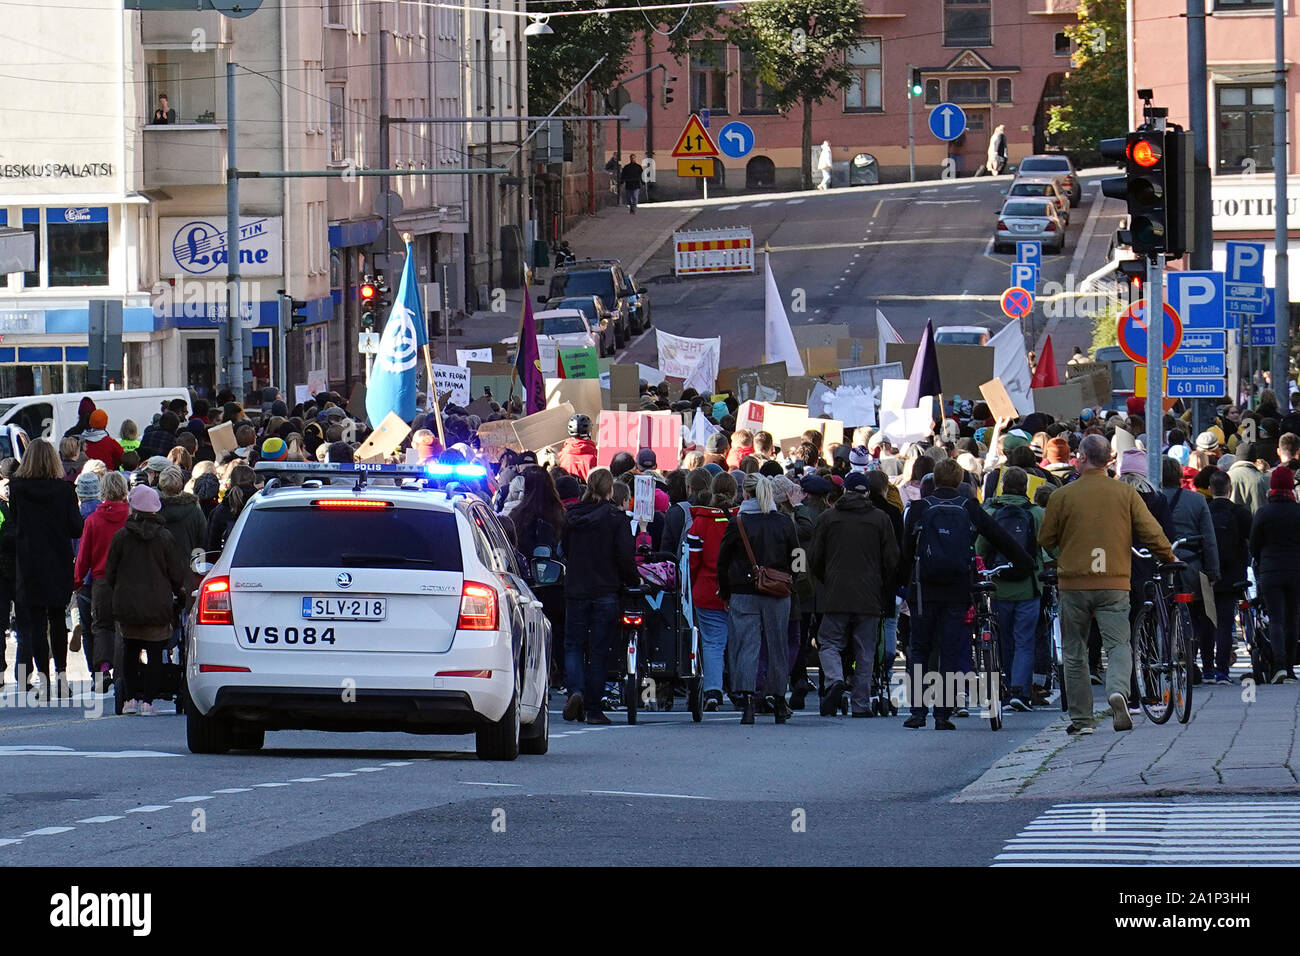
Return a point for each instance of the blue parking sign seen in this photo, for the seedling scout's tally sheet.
(1024, 275)
(1030, 253)
(1198, 299)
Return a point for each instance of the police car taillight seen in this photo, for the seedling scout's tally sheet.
(351, 504)
(478, 608)
(214, 602)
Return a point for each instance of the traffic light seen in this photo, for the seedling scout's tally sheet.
(1142, 188)
(1180, 193)
(293, 312)
(666, 91)
(914, 87)
(369, 293)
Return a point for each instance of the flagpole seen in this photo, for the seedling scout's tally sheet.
(428, 364)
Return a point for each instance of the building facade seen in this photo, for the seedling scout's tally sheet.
(1002, 61)
(127, 195)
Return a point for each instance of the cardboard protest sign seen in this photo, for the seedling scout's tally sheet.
(726, 380)
(301, 395)
(892, 393)
(869, 377)
(493, 376)
(853, 405)
(1034, 482)
(383, 441)
(582, 393)
(545, 428)
(495, 437)
(223, 438)
(649, 374)
(999, 402)
(820, 336)
(548, 355)
(454, 379)
(783, 421)
(643, 498)
(631, 431)
(465, 356)
(661, 432)
(580, 363)
(357, 400)
(480, 407)
(624, 387)
(1097, 377)
(762, 383)
(962, 368)
(798, 388)
(850, 351)
(819, 360)
(1060, 401)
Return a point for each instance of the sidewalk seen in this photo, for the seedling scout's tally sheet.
(1241, 739)
(613, 233)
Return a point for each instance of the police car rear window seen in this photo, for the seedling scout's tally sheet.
(407, 538)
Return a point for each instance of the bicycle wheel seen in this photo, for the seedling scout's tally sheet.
(1181, 656)
(1058, 665)
(1152, 674)
(990, 665)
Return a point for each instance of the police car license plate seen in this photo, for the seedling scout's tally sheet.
(344, 609)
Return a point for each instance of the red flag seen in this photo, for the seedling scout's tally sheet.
(1045, 371)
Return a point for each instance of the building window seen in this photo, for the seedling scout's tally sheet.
(709, 76)
(188, 80)
(1221, 6)
(334, 13)
(756, 96)
(1245, 128)
(863, 92)
(967, 23)
(975, 121)
(1004, 90)
(77, 245)
(1061, 45)
(338, 125)
(932, 92)
(968, 91)
(32, 223)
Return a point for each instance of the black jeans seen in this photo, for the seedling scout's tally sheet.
(1216, 639)
(589, 627)
(143, 683)
(46, 628)
(942, 627)
(1282, 598)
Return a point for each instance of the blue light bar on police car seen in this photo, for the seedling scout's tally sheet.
(465, 472)
(439, 469)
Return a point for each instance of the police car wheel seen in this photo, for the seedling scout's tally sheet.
(206, 735)
(500, 740)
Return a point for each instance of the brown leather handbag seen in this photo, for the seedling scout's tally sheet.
(767, 581)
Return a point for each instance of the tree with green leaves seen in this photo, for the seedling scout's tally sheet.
(1095, 91)
(798, 48)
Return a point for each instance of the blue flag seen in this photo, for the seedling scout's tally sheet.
(392, 385)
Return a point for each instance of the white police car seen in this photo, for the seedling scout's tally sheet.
(367, 606)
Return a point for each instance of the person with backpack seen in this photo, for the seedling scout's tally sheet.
(577, 455)
(1016, 601)
(854, 554)
(939, 545)
(1090, 525)
(1232, 538)
(709, 521)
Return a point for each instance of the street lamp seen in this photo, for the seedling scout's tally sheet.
(538, 27)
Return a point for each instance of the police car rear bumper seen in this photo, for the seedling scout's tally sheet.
(411, 711)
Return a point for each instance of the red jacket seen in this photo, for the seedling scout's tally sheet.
(104, 522)
(704, 538)
(578, 457)
(736, 454)
(106, 450)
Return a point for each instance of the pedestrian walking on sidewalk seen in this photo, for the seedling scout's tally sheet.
(631, 178)
(1275, 546)
(1090, 525)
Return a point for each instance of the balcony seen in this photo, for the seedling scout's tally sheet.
(161, 29)
(187, 154)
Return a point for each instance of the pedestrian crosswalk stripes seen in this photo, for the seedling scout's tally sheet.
(1201, 833)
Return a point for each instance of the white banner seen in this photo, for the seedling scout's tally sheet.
(454, 379)
(465, 356)
(196, 246)
(679, 356)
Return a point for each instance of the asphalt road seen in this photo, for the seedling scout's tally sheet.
(124, 791)
(915, 252)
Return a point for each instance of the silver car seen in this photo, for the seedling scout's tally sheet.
(1042, 187)
(1059, 167)
(1026, 220)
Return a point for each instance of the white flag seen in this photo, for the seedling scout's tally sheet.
(703, 374)
(701, 429)
(1012, 366)
(885, 333)
(778, 339)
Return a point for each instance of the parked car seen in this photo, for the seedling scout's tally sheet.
(604, 278)
(562, 328)
(1029, 220)
(1042, 187)
(599, 319)
(638, 305)
(1059, 167)
(961, 335)
(50, 416)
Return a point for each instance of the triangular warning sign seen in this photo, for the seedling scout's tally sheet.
(694, 141)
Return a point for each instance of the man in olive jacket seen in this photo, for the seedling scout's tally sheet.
(1091, 524)
(854, 556)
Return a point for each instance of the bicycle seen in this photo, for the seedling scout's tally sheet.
(1051, 621)
(1162, 644)
(985, 647)
(1253, 618)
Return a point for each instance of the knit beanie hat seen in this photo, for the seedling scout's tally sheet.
(98, 418)
(274, 449)
(88, 485)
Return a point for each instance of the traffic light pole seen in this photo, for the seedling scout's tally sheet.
(1281, 364)
(911, 130)
(236, 379)
(1155, 313)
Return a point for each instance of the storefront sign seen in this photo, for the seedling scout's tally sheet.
(54, 170)
(197, 246)
(1248, 205)
(22, 322)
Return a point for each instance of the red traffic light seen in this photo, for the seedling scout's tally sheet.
(1145, 153)
(367, 292)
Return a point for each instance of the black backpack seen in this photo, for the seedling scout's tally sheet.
(1228, 539)
(945, 541)
(1018, 522)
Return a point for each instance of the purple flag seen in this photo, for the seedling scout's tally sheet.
(924, 379)
(528, 363)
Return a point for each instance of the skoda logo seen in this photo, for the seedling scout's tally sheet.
(344, 580)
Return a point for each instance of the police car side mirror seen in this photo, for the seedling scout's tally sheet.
(199, 562)
(547, 571)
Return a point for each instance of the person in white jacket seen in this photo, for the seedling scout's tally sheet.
(824, 165)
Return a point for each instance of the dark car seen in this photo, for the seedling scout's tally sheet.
(604, 278)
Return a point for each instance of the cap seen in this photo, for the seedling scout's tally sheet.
(1180, 454)
(719, 410)
(145, 499)
(207, 487)
(716, 443)
(1014, 439)
(816, 485)
(750, 481)
(274, 449)
(856, 481)
(279, 408)
(837, 481)
(1133, 462)
(646, 460)
(661, 500)
(88, 485)
(157, 463)
(98, 418)
(714, 469)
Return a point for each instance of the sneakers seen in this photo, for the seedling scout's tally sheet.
(961, 711)
(915, 722)
(1279, 677)
(573, 707)
(597, 717)
(1222, 678)
(132, 706)
(1018, 703)
(944, 724)
(1119, 709)
(712, 700)
(1079, 730)
(831, 700)
(1096, 678)
(147, 709)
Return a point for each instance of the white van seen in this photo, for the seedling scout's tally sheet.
(50, 416)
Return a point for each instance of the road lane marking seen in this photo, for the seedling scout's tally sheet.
(235, 790)
(48, 831)
(152, 808)
(106, 818)
(760, 205)
(793, 202)
(634, 793)
(197, 799)
(488, 783)
(367, 769)
(9, 842)
(398, 763)
(729, 208)
(876, 212)
(340, 773)
(271, 785)
(307, 780)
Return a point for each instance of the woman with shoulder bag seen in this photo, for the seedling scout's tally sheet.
(754, 583)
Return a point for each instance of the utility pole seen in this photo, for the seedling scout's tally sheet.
(1155, 315)
(236, 379)
(1281, 364)
(911, 131)
(385, 153)
(1202, 255)
(487, 102)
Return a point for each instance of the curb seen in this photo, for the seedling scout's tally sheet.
(663, 237)
(1010, 775)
